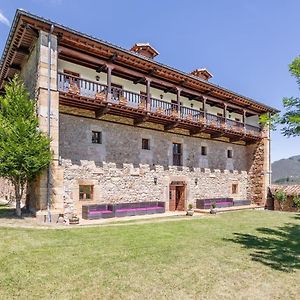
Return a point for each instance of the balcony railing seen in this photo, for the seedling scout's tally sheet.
(90, 89)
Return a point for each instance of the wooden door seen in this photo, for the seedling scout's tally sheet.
(177, 196)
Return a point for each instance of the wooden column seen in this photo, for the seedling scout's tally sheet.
(178, 99)
(148, 99)
(109, 69)
(204, 107)
(244, 118)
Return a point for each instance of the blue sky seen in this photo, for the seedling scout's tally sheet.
(246, 44)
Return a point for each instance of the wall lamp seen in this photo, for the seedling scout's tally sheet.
(196, 181)
(155, 180)
(97, 78)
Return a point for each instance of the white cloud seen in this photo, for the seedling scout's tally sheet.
(3, 19)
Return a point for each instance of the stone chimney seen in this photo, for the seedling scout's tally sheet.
(144, 49)
(202, 73)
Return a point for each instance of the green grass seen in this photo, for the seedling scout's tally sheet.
(238, 255)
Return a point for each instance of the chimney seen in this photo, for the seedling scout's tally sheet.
(202, 73)
(144, 49)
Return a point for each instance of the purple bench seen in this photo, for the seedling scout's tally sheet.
(139, 208)
(97, 211)
(220, 203)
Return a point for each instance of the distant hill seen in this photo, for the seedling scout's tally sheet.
(286, 171)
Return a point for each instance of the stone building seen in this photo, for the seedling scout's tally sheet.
(126, 128)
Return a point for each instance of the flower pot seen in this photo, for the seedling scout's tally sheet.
(189, 213)
(213, 211)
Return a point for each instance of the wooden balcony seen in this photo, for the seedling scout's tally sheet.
(82, 93)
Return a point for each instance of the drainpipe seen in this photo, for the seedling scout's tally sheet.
(270, 167)
(49, 121)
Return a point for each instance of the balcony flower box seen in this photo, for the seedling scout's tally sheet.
(142, 105)
(160, 110)
(174, 113)
(101, 96)
(189, 117)
(123, 101)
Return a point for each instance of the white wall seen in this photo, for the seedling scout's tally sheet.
(91, 74)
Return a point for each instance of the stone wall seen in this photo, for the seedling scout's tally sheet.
(121, 171)
(6, 190)
(258, 171)
(122, 144)
(133, 184)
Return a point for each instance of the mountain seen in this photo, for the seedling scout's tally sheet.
(286, 171)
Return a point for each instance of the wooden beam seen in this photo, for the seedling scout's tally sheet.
(198, 130)
(101, 68)
(23, 50)
(217, 135)
(171, 126)
(139, 80)
(141, 120)
(236, 139)
(170, 89)
(113, 57)
(102, 111)
(15, 67)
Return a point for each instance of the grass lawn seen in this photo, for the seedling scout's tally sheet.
(238, 255)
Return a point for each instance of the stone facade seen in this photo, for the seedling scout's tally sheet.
(114, 184)
(120, 171)
(118, 168)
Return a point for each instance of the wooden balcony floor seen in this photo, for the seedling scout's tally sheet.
(140, 115)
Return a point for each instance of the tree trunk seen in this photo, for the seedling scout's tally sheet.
(18, 207)
(19, 188)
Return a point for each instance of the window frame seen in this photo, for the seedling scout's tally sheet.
(177, 156)
(147, 144)
(97, 140)
(83, 194)
(234, 188)
(204, 153)
(229, 153)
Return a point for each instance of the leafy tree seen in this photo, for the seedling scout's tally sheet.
(281, 197)
(296, 201)
(290, 119)
(24, 150)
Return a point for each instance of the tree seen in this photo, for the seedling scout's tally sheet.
(24, 150)
(290, 119)
(281, 197)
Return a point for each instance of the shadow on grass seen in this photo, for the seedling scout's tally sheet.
(277, 248)
(7, 212)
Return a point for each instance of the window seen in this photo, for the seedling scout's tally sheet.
(86, 192)
(234, 188)
(229, 153)
(96, 137)
(146, 144)
(177, 154)
(203, 150)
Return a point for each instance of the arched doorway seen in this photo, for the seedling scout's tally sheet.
(177, 196)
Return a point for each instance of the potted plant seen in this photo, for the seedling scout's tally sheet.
(74, 220)
(190, 211)
(213, 208)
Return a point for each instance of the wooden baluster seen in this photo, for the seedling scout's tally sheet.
(109, 91)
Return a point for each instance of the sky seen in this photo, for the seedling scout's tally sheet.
(246, 44)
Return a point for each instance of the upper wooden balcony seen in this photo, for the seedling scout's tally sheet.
(82, 93)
